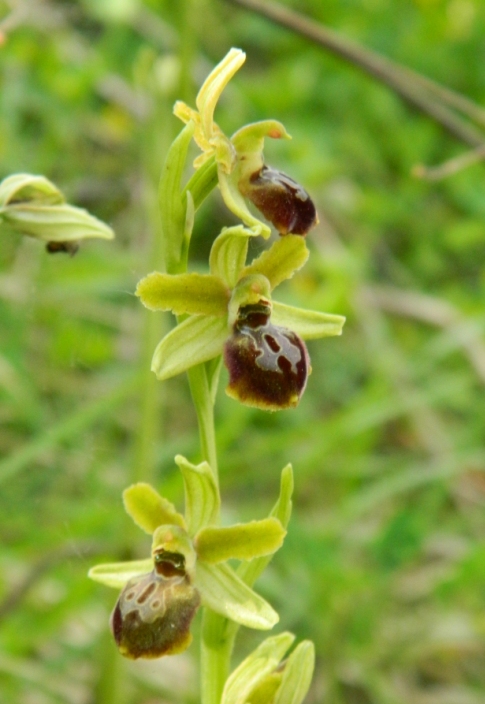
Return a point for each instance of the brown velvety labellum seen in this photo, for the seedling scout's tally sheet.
(153, 615)
(268, 365)
(281, 200)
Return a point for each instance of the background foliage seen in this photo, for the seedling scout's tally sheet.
(384, 565)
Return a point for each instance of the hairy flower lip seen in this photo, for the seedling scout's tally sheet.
(268, 365)
(153, 614)
(281, 199)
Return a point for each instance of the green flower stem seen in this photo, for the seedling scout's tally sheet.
(204, 407)
(217, 640)
(216, 649)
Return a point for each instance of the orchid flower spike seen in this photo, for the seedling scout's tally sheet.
(242, 172)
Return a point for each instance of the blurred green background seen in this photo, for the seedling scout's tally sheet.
(384, 564)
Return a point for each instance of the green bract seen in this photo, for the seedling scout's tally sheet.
(187, 563)
(214, 303)
(263, 679)
(33, 206)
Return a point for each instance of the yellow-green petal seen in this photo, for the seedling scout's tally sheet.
(250, 571)
(281, 260)
(193, 294)
(243, 541)
(148, 509)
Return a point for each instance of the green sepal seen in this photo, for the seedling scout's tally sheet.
(280, 261)
(249, 144)
(297, 674)
(255, 668)
(228, 253)
(226, 594)
(250, 571)
(117, 574)
(202, 502)
(243, 541)
(250, 138)
(308, 324)
(237, 205)
(148, 509)
(173, 204)
(194, 294)
(196, 340)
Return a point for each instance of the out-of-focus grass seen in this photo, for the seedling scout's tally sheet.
(384, 562)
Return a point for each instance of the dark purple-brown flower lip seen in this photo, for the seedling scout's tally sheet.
(153, 614)
(268, 365)
(281, 200)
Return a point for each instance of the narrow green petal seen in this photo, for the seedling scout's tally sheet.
(308, 324)
(258, 665)
(281, 260)
(297, 675)
(195, 294)
(117, 574)
(228, 253)
(243, 541)
(148, 509)
(196, 340)
(213, 86)
(224, 592)
(250, 571)
(202, 500)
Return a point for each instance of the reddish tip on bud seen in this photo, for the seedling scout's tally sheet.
(154, 612)
(281, 200)
(268, 365)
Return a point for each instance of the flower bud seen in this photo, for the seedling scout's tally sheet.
(154, 611)
(281, 200)
(268, 365)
